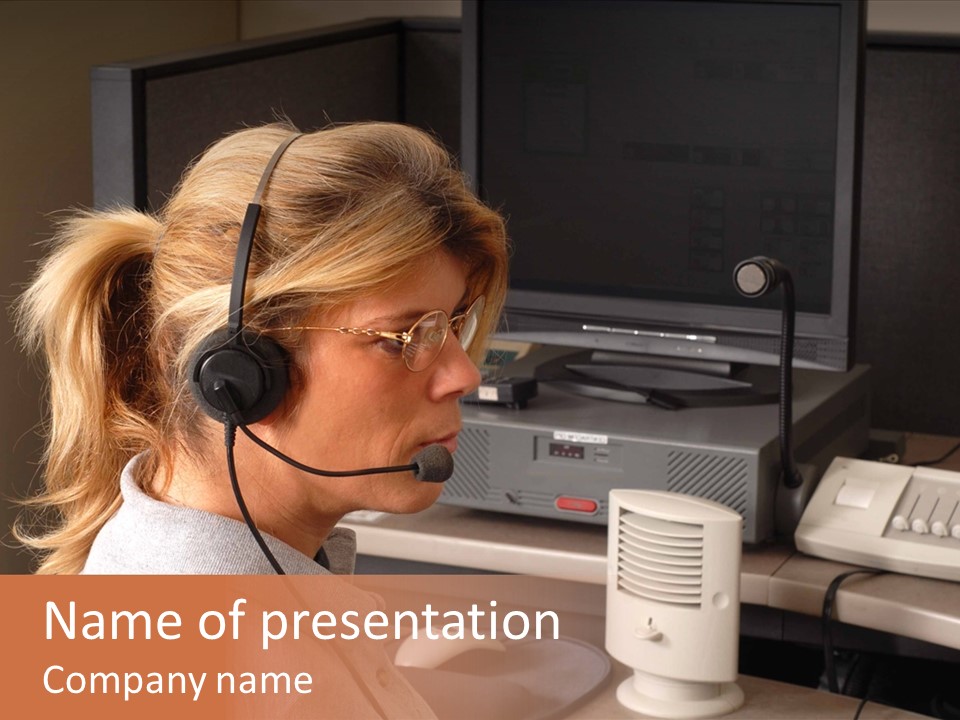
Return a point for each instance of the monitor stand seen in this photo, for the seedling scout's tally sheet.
(659, 381)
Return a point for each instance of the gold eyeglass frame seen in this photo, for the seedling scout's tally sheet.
(454, 324)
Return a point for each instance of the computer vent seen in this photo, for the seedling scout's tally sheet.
(660, 560)
(533, 500)
(471, 474)
(721, 478)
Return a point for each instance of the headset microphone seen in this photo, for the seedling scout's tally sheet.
(432, 464)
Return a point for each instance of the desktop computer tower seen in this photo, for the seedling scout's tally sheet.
(560, 456)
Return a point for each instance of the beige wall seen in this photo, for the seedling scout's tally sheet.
(270, 17)
(266, 17)
(916, 16)
(46, 50)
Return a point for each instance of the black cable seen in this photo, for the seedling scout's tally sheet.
(826, 619)
(863, 702)
(850, 674)
(230, 425)
(940, 459)
(230, 435)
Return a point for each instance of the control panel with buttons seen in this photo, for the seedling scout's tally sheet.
(891, 517)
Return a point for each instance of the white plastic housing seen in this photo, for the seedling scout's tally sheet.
(673, 602)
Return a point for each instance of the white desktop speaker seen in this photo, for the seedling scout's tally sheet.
(673, 602)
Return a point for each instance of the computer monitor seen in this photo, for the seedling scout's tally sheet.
(640, 150)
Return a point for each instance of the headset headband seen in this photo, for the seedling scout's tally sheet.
(245, 243)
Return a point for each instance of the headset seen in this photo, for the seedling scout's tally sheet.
(239, 377)
(251, 368)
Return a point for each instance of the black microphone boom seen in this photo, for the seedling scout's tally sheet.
(432, 464)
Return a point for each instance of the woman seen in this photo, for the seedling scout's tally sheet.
(366, 232)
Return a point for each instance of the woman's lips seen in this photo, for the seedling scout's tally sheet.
(448, 441)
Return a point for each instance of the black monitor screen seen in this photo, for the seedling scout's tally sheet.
(642, 149)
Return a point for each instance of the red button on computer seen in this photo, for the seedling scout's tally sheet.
(576, 504)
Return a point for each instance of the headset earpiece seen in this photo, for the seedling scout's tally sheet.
(253, 368)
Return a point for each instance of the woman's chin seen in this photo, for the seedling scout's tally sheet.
(412, 498)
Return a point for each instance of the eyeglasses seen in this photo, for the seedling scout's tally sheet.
(422, 343)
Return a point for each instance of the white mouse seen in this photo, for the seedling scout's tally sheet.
(425, 652)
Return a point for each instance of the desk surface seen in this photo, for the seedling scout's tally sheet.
(772, 576)
(763, 699)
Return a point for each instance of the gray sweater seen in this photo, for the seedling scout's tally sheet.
(149, 537)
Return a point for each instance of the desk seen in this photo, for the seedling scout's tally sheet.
(765, 699)
(775, 580)
(772, 576)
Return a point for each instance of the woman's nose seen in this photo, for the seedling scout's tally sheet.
(456, 373)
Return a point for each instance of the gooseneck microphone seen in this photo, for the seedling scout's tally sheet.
(755, 278)
(760, 275)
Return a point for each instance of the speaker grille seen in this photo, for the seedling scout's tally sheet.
(471, 471)
(722, 478)
(660, 560)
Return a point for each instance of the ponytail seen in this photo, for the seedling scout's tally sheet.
(350, 210)
(86, 314)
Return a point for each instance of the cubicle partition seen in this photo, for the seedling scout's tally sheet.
(151, 117)
(909, 269)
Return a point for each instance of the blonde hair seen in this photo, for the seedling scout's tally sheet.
(119, 306)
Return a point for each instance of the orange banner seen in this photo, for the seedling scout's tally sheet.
(319, 647)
